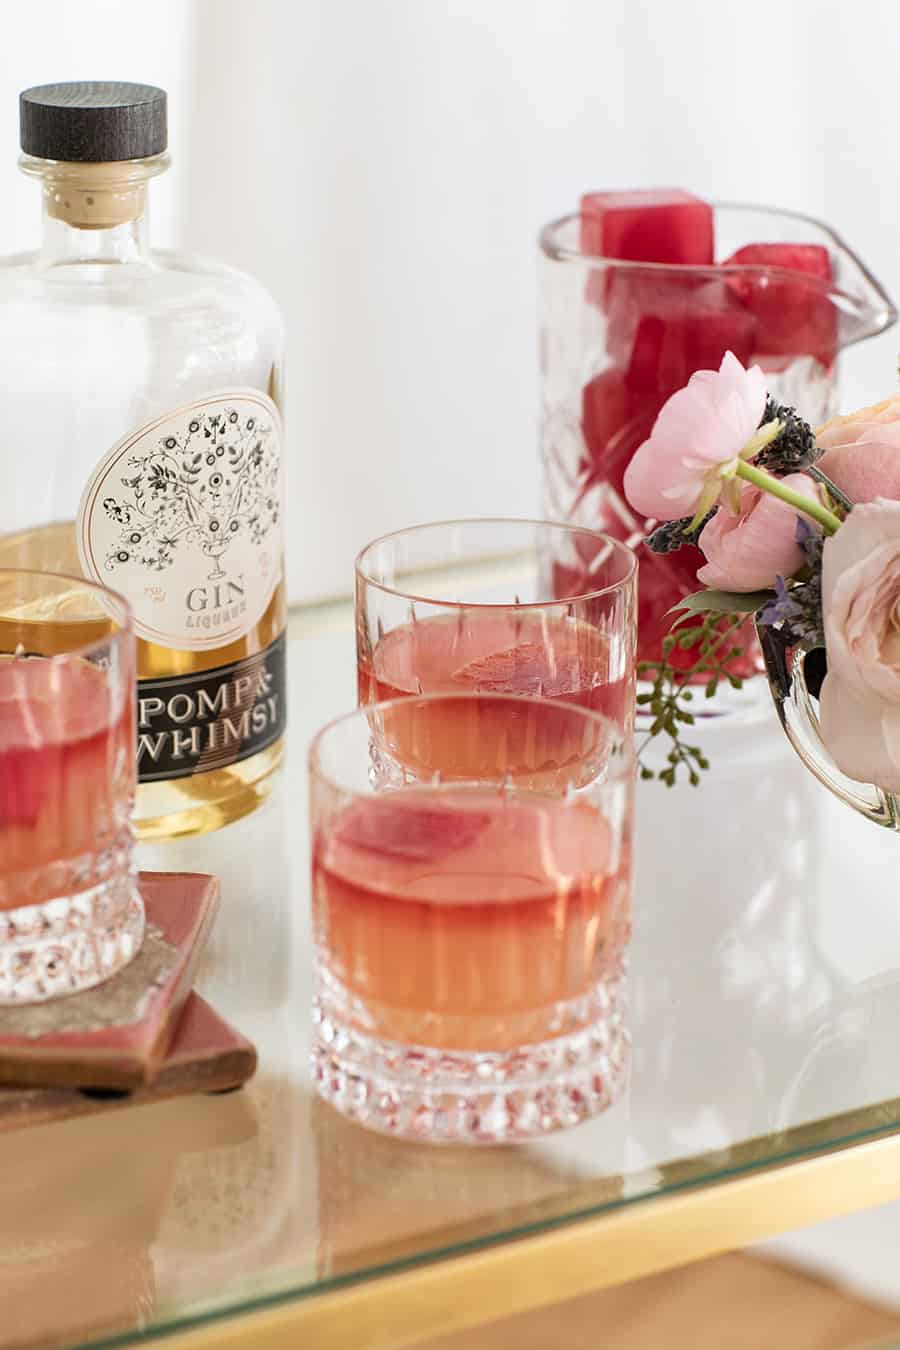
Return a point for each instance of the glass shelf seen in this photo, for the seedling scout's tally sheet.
(765, 1001)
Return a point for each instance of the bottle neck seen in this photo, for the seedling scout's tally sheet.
(94, 213)
(63, 242)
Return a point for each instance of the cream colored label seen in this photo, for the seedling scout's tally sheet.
(183, 517)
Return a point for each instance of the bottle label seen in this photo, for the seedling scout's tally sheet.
(190, 724)
(183, 517)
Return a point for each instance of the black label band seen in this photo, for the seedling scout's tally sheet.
(189, 724)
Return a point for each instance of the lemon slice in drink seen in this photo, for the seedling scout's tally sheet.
(33, 606)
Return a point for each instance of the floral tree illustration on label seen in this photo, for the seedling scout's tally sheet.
(184, 518)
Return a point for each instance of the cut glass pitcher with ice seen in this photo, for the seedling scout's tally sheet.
(639, 290)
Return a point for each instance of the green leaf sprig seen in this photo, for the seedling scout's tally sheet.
(712, 636)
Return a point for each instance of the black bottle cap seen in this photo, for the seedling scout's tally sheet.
(92, 122)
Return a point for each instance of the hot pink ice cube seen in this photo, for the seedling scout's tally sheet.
(615, 419)
(664, 225)
(661, 225)
(631, 293)
(794, 318)
(682, 336)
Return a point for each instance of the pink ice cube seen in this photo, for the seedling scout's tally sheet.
(664, 225)
(633, 292)
(615, 419)
(794, 318)
(675, 340)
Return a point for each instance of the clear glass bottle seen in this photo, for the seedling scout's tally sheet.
(142, 436)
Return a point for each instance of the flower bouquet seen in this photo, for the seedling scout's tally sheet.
(800, 532)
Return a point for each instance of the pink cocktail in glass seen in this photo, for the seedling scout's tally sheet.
(470, 931)
(61, 732)
(474, 607)
(558, 659)
(473, 914)
(70, 913)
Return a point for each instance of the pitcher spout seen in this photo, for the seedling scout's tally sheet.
(864, 306)
(860, 304)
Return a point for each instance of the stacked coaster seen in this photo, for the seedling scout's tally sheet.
(139, 1037)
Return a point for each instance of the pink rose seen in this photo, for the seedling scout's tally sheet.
(696, 440)
(860, 700)
(746, 552)
(862, 452)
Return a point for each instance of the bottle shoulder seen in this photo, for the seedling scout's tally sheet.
(108, 348)
(170, 285)
(197, 269)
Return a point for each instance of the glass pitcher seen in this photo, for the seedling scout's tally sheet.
(618, 338)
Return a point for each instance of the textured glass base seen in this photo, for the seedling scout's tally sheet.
(70, 943)
(486, 1097)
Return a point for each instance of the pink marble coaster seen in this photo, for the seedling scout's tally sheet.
(206, 1055)
(117, 1035)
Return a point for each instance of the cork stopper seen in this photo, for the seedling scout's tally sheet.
(97, 196)
(95, 143)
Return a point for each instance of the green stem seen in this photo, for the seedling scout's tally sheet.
(769, 483)
(831, 488)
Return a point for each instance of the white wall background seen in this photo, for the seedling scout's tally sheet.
(383, 166)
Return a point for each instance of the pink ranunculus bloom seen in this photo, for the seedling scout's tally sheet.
(860, 699)
(747, 551)
(696, 439)
(862, 451)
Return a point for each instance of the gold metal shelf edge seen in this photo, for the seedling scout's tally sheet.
(456, 1293)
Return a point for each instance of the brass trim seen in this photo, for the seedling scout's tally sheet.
(507, 1277)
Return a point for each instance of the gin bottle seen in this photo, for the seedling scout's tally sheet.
(143, 444)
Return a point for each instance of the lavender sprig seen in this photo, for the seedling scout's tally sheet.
(794, 448)
(673, 534)
(796, 611)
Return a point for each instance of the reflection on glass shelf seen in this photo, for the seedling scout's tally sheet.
(765, 989)
(239, 1210)
(726, 967)
(83, 1207)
